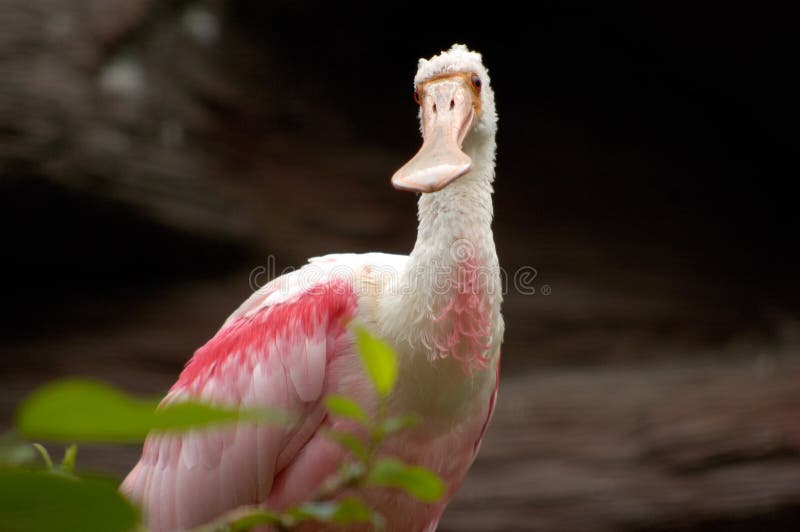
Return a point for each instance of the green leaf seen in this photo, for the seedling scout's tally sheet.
(252, 518)
(342, 511)
(393, 424)
(317, 511)
(349, 442)
(68, 462)
(350, 474)
(351, 510)
(347, 408)
(241, 519)
(44, 454)
(188, 415)
(44, 501)
(417, 481)
(88, 411)
(379, 360)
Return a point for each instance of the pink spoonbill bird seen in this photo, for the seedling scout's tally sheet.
(289, 344)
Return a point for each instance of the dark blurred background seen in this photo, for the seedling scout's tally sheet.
(154, 154)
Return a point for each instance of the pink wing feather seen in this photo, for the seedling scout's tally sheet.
(274, 351)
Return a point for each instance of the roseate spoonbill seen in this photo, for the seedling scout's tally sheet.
(289, 344)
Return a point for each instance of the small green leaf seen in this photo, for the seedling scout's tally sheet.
(251, 519)
(189, 414)
(68, 462)
(44, 454)
(317, 511)
(342, 511)
(351, 510)
(44, 501)
(241, 519)
(417, 481)
(88, 411)
(379, 360)
(350, 472)
(347, 408)
(349, 442)
(394, 424)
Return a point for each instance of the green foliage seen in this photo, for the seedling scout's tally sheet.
(343, 407)
(350, 442)
(394, 424)
(344, 511)
(415, 480)
(67, 466)
(378, 359)
(54, 498)
(68, 462)
(243, 519)
(366, 469)
(48, 462)
(39, 500)
(381, 364)
(88, 411)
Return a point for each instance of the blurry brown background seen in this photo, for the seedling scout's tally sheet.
(153, 154)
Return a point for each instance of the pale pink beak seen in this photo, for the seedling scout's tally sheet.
(447, 117)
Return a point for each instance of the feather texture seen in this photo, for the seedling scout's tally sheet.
(266, 355)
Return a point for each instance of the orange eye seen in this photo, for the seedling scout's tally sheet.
(476, 82)
(416, 96)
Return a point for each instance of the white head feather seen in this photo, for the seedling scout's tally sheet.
(459, 58)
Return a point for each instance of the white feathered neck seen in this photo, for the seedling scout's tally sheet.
(448, 300)
(446, 304)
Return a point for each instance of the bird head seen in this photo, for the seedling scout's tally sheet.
(456, 105)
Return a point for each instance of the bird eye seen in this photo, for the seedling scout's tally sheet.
(416, 96)
(476, 82)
